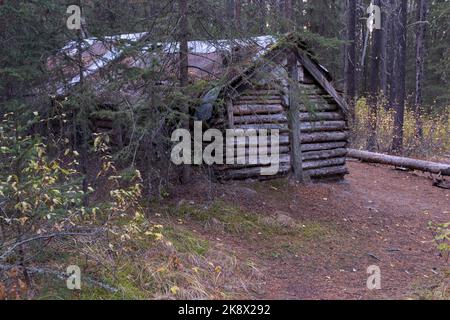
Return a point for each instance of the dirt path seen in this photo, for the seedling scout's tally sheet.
(379, 216)
(385, 214)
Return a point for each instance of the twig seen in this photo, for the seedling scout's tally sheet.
(12, 248)
(61, 275)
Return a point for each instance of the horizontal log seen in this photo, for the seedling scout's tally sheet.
(323, 146)
(275, 118)
(308, 165)
(258, 101)
(246, 173)
(323, 126)
(317, 107)
(324, 137)
(320, 116)
(261, 92)
(413, 164)
(249, 109)
(255, 150)
(283, 140)
(326, 172)
(324, 154)
(244, 162)
(259, 97)
(271, 126)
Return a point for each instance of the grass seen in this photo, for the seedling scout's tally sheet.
(278, 240)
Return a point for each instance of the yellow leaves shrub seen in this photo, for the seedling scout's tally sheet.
(436, 130)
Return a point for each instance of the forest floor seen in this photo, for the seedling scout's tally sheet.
(281, 240)
(317, 241)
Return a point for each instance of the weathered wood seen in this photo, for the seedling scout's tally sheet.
(258, 101)
(244, 162)
(324, 154)
(320, 116)
(257, 109)
(317, 107)
(323, 126)
(322, 80)
(255, 150)
(261, 92)
(329, 171)
(294, 121)
(247, 173)
(307, 165)
(323, 146)
(275, 118)
(265, 97)
(284, 140)
(271, 126)
(414, 164)
(324, 137)
(230, 114)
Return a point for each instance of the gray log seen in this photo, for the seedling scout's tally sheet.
(426, 166)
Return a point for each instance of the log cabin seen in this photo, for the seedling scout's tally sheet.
(288, 90)
(263, 83)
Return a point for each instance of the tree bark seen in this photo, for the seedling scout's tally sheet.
(384, 47)
(392, 52)
(422, 10)
(399, 105)
(184, 72)
(350, 64)
(237, 15)
(374, 85)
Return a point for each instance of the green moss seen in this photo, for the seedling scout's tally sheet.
(186, 242)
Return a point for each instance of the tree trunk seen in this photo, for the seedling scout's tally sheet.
(392, 52)
(400, 97)
(299, 7)
(408, 163)
(184, 72)
(422, 8)
(350, 64)
(384, 47)
(237, 15)
(374, 85)
(288, 14)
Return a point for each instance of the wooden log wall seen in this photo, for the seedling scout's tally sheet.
(324, 133)
(258, 108)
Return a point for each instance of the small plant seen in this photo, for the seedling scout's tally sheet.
(441, 234)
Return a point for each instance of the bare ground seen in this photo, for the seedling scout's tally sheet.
(379, 216)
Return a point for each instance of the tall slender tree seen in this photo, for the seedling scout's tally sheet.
(400, 73)
(374, 83)
(350, 63)
(184, 70)
(421, 27)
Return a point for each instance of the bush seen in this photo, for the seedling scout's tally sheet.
(436, 131)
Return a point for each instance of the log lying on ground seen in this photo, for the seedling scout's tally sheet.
(426, 166)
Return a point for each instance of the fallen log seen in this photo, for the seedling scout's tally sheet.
(414, 164)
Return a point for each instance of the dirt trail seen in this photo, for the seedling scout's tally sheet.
(385, 214)
(379, 216)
